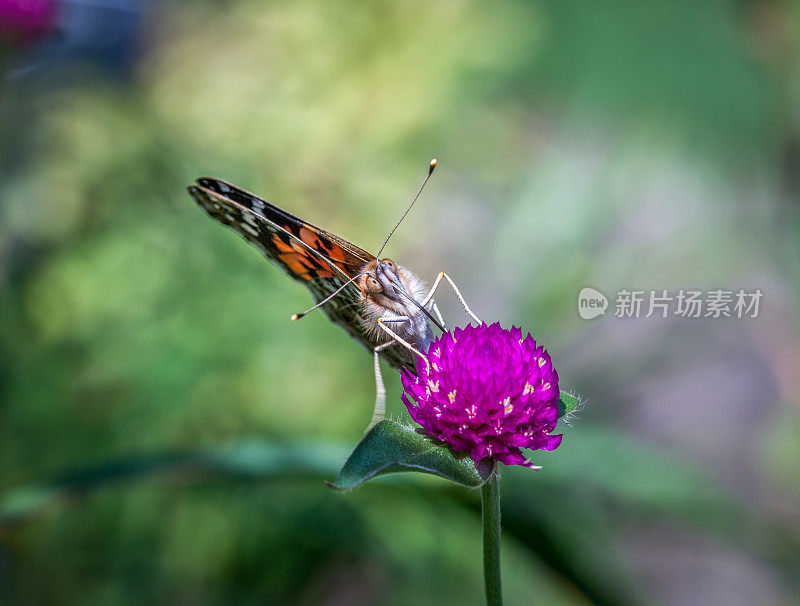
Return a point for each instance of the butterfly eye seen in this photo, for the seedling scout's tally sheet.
(390, 264)
(373, 285)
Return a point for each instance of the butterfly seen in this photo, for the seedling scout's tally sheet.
(377, 302)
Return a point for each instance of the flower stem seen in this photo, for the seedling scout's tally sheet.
(490, 512)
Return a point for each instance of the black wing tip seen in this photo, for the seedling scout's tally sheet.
(209, 185)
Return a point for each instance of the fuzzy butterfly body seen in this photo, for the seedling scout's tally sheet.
(325, 263)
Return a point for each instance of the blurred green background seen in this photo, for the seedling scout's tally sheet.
(165, 430)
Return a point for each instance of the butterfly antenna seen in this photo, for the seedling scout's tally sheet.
(430, 172)
(296, 317)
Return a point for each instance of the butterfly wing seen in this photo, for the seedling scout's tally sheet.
(322, 261)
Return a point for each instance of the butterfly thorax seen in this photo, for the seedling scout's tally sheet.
(390, 292)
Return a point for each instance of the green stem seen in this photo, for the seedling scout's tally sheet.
(490, 512)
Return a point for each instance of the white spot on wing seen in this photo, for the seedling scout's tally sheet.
(249, 228)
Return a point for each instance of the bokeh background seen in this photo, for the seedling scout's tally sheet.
(165, 430)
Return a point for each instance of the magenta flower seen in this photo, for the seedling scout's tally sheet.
(486, 391)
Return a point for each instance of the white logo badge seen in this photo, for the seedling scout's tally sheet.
(591, 303)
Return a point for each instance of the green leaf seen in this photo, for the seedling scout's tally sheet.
(390, 447)
(567, 403)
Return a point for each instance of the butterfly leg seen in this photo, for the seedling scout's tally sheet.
(435, 309)
(455, 289)
(382, 324)
(379, 412)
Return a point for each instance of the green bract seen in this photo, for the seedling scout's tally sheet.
(391, 447)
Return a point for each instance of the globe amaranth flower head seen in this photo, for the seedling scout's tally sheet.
(486, 391)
